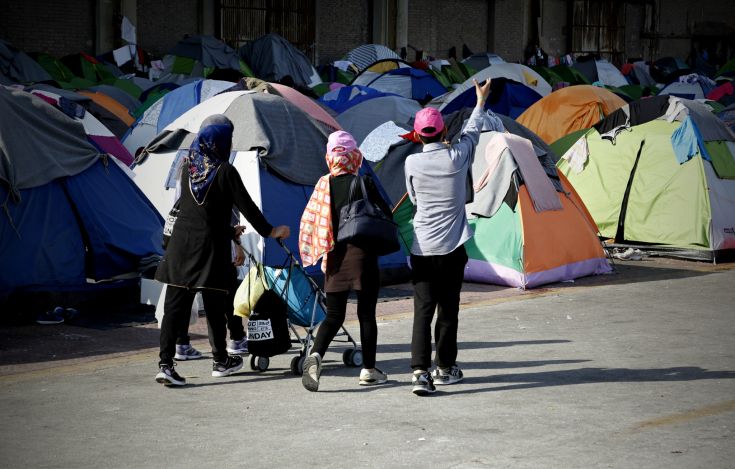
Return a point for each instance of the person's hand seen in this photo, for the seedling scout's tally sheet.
(281, 232)
(483, 91)
(239, 229)
(239, 256)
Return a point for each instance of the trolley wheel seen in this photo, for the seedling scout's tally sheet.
(297, 365)
(254, 362)
(352, 357)
(263, 363)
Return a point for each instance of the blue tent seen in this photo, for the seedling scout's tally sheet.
(507, 97)
(70, 214)
(406, 81)
(344, 98)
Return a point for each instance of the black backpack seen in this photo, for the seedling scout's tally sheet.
(268, 332)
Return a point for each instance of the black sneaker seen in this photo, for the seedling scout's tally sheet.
(168, 376)
(231, 365)
(423, 384)
(449, 375)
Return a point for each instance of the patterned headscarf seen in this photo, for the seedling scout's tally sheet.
(207, 152)
(316, 237)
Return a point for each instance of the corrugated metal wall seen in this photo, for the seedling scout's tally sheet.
(246, 20)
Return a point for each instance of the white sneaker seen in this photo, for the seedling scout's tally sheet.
(312, 371)
(372, 377)
(238, 347)
(187, 352)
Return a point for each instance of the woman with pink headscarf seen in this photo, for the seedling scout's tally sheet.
(346, 266)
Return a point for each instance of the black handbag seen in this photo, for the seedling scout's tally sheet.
(168, 226)
(366, 226)
(268, 332)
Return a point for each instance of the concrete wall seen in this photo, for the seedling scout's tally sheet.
(553, 31)
(341, 25)
(57, 28)
(512, 30)
(162, 23)
(435, 26)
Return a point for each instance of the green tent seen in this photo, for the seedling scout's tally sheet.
(636, 189)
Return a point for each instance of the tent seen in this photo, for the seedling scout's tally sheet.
(507, 97)
(202, 56)
(691, 86)
(278, 150)
(345, 97)
(659, 172)
(117, 126)
(724, 94)
(367, 54)
(169, 108)
(602, 71)
(111, 105)
(728, 116)
(362, 118)
(303, 102)
(668, 69)
(272, 58)
(514, 244)
(17, 67)
(72, 217)
(569, 109)
(119, 95)
(404, 81)
(483, 60)
(516, 72)
(97, 133)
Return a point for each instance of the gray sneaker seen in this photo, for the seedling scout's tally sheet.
(449, 375)
(312, 371)
(422, 382)
(238, 347)
(372, 377)
(187, 352)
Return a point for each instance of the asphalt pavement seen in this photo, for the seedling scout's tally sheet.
(634, 370)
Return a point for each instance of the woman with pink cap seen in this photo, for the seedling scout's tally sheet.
(346, 266)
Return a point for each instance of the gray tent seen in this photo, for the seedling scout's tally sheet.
(18, 67)
(363, 117)
(272, 58)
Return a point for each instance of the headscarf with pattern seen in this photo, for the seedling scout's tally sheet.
(316, 237)
(207, 152)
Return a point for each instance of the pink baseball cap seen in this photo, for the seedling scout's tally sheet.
(425, 118)
(342, 139)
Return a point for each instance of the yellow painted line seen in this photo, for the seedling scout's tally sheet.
(682, 417)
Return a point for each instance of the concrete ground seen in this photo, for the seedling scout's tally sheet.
(635, 369)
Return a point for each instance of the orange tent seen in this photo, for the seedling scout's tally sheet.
(569, 109)
(112, 105)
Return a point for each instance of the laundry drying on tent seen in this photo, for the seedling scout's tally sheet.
(659, 173)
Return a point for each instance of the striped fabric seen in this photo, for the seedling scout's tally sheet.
(367, 54)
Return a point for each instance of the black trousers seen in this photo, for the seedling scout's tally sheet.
(336, 309)
(234, 324)
(437, 281)
(176, 312)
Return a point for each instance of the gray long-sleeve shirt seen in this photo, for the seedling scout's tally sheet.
(436, 181)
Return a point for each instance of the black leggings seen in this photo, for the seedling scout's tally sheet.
(177, 309)
(336, 309)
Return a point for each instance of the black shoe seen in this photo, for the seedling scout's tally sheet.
(168, 376)
(231, 365)
(423, 384)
